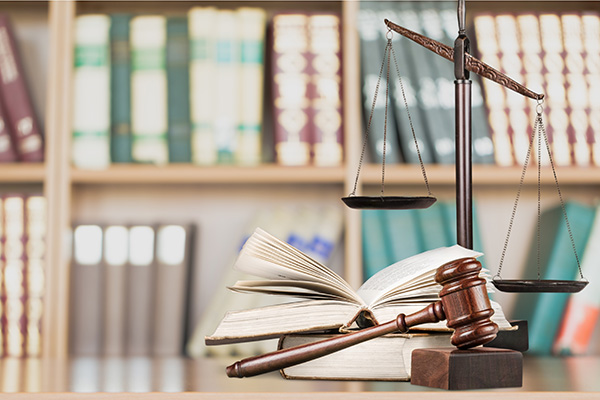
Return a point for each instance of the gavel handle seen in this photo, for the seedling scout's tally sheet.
(296, 355)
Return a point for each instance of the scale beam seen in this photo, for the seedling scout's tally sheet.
(471, 63)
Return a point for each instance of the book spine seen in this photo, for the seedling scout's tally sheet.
(7, 150)
(291, 104)
(402, 234)
(201, 22)
(27, 134)
(324, 33)
(120, 89)
(35, 249)
(91, 98)
(227, 64)
(591, 31)
(15, 277)
(2, 283)
(178, 80)
(376, 255)
(149, 89)
(252, 22)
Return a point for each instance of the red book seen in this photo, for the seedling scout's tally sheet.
(7, 152)
(27, 135)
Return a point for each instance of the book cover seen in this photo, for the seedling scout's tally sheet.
(120, 89)
(291, 97)
(557, 261)
(202, 28)
(35, 232)
(227, 82)
(173, 246)
(86, 291)
(26, 130)
(325, 54)
(583, 308)
(374, 109)
(115, 253)
(149, 89)
(178, 83)
(7, 151)
(90, 147)
(251, 33)
(140, 293)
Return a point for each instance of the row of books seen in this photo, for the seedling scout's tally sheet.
(22, 248)
(318, 233)
(159, 89)
(560, 323)
(554, 54)
(130, 289)
(21, 138)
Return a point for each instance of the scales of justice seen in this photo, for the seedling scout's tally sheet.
(464, 302)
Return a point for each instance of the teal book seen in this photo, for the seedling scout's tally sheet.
(432, 227)
(402, 234)
(120, 89)
(544, 311)
(178, 92)
(375, 251)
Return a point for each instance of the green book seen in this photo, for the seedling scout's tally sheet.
(375, 251)
(543, 311)
(120, 89)
(401, 233)
(178, 92)
(433, 227)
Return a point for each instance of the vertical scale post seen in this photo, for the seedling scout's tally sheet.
(462, 88)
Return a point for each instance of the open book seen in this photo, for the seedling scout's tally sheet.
(330, 303)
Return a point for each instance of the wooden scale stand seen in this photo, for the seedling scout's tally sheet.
(464, 302)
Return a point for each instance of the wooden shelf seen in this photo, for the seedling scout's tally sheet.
(22, 173)
(185, 174)
(482, 175)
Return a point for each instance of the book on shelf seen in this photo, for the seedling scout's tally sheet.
(330, 303)
(376, 254)
(120, 88)
(148, 36)
(374, 109)
(7, 151)
(583, 309)
(557, 261)
(386, 358)
(90, 148)
(27, 136)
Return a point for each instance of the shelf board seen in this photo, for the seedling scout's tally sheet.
(482, 175)
(22, 173)
(186, 174)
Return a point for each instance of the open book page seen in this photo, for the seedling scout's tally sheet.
(303, 289)
(269, 258)
(406, 272)
(274, 321)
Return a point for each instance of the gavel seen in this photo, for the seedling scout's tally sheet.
(464, 303)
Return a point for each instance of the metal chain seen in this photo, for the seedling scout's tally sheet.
(385, 124)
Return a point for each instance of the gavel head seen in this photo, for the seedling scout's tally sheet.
(466, 303)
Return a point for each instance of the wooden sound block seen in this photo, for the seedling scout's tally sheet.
(477, 368)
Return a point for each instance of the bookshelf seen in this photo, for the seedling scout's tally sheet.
(75, 195)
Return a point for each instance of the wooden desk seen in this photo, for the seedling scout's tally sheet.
(148, 378)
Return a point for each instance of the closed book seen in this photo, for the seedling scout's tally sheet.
(120, 89)
(583, 308)
(202, 25)
(149, 89)
(591, 30)
(402, 236)
(291, 97)
(374, 111)
(35, 231)
(557, 261)
(173, 245)
(178, 92)
(325, 43)
(27, 133)
(90, 148)
(433, 227)
(227, 80)
(116, 251)
(14, 320)
(7, 151)
(376, 255)
(386, 358)
(140, 291)
(86, 291)
(252, 30)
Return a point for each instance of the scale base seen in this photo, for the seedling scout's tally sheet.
(478, 368)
